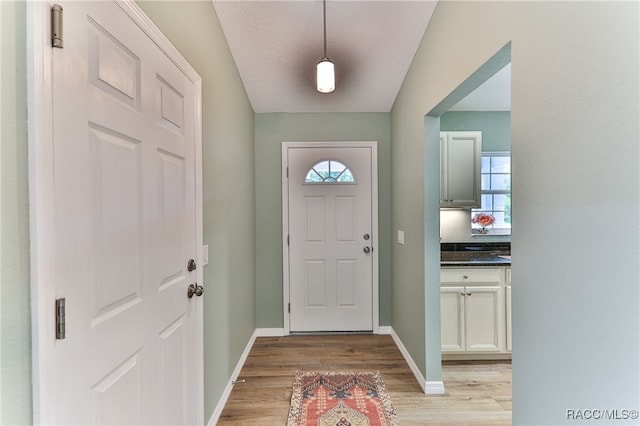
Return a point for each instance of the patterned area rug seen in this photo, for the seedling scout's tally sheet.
(340, 399)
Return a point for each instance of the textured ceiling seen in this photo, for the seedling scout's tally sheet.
(276, 45)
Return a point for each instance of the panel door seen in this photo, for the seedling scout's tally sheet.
(124, 179)
(452, 319)
(331, 241)
(483, 305)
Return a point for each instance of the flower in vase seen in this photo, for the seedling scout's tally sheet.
(484, 220)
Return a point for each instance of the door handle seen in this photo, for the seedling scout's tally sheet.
(195, 289)
(367, 249)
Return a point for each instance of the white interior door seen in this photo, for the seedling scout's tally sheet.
(124, 217)
(331, 238)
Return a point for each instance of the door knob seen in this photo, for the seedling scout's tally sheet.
(366, 237)
(367, 249)
(194, 289)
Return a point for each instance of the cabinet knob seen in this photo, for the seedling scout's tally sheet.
(468, 293)
(462, 293)
(465, 276)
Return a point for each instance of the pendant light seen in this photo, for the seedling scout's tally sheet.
(325, 77)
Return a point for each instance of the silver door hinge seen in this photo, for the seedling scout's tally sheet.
(287, 240)
(61, 313)
(289, 308)
(56, 27)
(287, 172)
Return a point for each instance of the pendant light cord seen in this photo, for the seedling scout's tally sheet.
(324, 19)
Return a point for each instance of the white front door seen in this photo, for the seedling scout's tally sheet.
(332, 237)
(124, 222)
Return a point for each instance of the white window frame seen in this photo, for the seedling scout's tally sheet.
(492, 230)
(330, 180)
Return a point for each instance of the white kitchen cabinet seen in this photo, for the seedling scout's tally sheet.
(452, 319)
(460, 163)
(472, 310)
(507, 294)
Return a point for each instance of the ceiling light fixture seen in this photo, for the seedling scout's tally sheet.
(325, 77)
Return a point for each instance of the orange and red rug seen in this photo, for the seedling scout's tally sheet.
(340, 399)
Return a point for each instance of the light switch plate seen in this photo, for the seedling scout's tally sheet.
(400, 237)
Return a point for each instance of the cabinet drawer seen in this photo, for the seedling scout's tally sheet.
(463, 276)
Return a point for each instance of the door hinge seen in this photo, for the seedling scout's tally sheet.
(287, 172)
(57, 39)
(289, 308)
(61, 312)
(287, 240)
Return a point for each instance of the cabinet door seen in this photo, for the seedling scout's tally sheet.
(508, 316)
(507, 296)
(452, 319)
(483, 324)
(460, 157)
(444, 169)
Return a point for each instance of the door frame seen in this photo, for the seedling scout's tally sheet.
(41, 200)
(375, 239)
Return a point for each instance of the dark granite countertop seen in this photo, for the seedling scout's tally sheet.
(483, 260)
(475, 254)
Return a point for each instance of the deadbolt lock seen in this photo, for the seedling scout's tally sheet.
(191, 265)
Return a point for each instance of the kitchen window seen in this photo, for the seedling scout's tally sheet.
(496, 189)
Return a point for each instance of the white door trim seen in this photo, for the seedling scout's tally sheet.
(374, 222)
(40, 124)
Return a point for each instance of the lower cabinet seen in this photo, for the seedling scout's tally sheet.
(472, 308)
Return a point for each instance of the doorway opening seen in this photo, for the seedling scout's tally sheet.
(433, 231)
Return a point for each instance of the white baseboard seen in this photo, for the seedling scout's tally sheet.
(227, 390)
(269, 332)
(412, 365)
(431, 387)
(434, 387)
(385, 329)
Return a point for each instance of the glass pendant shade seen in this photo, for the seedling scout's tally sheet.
(325, 78)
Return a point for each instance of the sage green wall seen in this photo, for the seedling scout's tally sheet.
(575, 80)
(270, 131)
(15, 350)
(495, 126)
(228, 169)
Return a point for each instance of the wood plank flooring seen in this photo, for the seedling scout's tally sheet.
(477, 393)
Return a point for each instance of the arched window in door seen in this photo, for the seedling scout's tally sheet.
(329, 171)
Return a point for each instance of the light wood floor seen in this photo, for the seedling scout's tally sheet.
(477, 393)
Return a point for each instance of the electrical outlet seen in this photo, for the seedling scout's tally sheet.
(400, 237)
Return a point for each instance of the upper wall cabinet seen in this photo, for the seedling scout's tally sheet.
(460, 156)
